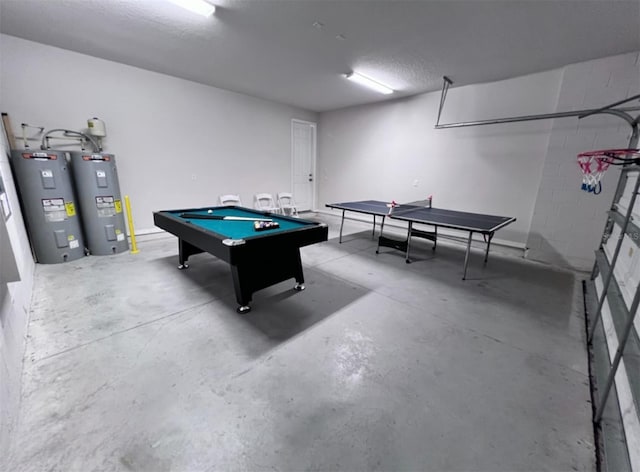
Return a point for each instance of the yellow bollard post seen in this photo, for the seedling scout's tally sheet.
(134, 247)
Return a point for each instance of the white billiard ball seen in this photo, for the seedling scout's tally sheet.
(210, 211)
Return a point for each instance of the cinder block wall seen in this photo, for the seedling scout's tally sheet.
(567, 223)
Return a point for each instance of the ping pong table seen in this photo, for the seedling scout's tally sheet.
(419, 212)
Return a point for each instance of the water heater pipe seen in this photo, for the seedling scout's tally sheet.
(96, 146)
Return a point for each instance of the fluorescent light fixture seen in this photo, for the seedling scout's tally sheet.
(196, 6)
(369, 82)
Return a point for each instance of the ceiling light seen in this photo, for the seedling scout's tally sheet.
(369, 82)
(196, 6)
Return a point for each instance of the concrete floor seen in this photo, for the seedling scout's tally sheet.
(378, 365)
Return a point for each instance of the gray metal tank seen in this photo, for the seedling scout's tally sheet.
(96, 181)
(48, 202)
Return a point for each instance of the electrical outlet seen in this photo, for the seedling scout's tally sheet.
(194, 176)
(416, 182)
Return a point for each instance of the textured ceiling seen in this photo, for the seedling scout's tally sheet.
(271, 48)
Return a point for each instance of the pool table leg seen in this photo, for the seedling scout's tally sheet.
(242, 288)
(184, 251)
(262, 270)
(296, 269)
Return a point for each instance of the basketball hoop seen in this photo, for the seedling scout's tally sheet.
(595, 163)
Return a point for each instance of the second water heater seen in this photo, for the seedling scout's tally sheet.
(100, 202)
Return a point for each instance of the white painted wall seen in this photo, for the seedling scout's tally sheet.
(15, 302)
(527, 170)
(567, 224)
(378, 151)
(164, 132)
(178, 144)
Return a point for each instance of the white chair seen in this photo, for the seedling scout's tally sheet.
(230, 200)
(265, 202)
(287, 204)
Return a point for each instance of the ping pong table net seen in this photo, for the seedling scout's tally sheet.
(595, 163)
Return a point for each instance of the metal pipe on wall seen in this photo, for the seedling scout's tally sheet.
(67, 133)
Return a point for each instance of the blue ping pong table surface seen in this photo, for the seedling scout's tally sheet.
(417, 212)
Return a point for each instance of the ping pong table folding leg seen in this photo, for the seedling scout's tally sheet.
(466, 257)
(341, 225)
(487, 238)
(373, 233)
(381, 228)
(406, 257)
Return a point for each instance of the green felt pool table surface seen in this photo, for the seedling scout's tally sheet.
(238, 229)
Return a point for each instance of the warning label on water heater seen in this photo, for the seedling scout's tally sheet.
(71, 209)
(106, 206)
(54, 209)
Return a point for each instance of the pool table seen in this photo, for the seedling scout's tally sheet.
(258, 259)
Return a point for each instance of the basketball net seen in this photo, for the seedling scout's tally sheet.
(594, 164)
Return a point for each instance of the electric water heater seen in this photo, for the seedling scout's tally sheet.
(96, 180)
(48, 202)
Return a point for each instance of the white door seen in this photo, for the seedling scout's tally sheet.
(303, 165)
